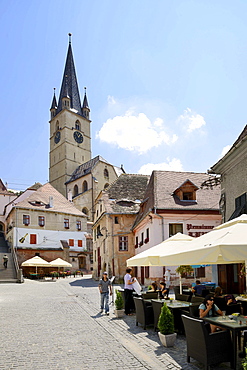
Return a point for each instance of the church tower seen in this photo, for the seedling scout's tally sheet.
(70, 140)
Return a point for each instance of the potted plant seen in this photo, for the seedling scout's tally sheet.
(166, 327)
(119, 304)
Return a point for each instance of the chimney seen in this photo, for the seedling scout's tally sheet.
(70, 196)
(50, 201)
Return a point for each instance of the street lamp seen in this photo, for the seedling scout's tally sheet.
(99, 233)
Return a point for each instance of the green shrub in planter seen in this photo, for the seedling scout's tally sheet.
(166, 321)
(119, 303)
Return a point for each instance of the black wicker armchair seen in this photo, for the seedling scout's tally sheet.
(156, 309)
(144, 313)
(207, 348)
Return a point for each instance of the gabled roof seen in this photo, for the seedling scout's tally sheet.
(69, 87)
(40, 200)
(4, 190)
(86, 168)
(159, 194)
(125, 194)
(184, 183)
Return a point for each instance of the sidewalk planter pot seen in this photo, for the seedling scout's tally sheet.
(119, 304)
(166, 327)
(119, 313)
(167, 340)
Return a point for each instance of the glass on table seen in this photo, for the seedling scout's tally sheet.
(224, 315)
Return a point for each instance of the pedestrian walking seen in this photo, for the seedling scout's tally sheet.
(104, 287)
(128, 291)
(5, 260)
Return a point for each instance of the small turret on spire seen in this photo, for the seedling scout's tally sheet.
(85, 105)
(53, 109)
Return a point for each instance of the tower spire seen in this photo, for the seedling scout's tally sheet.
(69, 87)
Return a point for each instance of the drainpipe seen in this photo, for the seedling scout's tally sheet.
(162, 223)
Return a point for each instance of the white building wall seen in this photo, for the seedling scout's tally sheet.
(49, 238)
(193, 224)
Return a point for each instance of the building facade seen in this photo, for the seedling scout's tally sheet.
(232, 169)
(115, 211)
(43, 222)
(175, 202)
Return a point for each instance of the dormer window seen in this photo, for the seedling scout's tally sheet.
(186, 191)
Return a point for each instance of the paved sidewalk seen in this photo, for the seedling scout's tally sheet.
(57, 325)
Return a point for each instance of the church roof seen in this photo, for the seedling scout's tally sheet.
(69, 87)
(86, 168)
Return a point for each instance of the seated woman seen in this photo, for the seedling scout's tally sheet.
(154, 287)
(218, 292)
(208, 309)
(164, 292)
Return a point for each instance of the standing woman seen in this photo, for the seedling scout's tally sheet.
(128, 290)
(104, 286)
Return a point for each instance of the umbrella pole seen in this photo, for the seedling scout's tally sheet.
(180, 283)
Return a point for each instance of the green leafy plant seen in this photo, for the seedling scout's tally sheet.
(244, 362)
(119, 302)
(166, 321)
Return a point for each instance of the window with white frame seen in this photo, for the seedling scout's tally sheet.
(123, 243)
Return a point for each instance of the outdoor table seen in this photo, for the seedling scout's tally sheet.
(239, 298)
(176, 307)
(174, 304)
(236, 325)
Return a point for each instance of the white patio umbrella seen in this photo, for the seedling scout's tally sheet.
(226, 243)
(35, 262)
(152, 256)
(59, 262)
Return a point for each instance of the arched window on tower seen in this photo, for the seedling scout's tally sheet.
(77, 125)
(84, 186)
(106, 173)
(57, 125)
(75, 191)
(85, 210)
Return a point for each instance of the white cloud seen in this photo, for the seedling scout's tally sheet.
(171, 165)
(225, 150)
(111, 100)
(191, 120)
(135, 132)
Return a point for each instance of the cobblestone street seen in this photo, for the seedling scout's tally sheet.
(57, 325)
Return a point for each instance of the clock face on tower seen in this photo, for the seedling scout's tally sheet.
(57, 137)
(78, 137)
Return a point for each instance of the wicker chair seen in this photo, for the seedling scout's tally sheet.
(144, 313)
(220, 302)
(194, 310)
(156, 309)
(150, 295)
(207, 348)
(197, 299)
(183, 297)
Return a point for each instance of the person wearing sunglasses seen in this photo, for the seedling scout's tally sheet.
(208, 309)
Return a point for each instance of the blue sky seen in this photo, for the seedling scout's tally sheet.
(166, 81)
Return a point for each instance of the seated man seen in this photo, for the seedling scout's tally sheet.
(198, 288)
